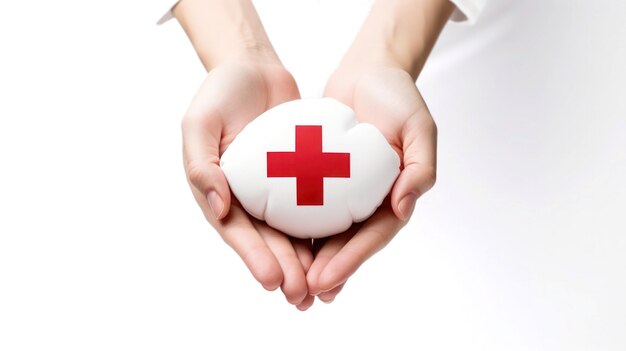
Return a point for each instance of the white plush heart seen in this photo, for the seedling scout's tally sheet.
(308, 169)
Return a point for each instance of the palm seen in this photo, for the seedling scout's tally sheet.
(235, 94)
(387, 98)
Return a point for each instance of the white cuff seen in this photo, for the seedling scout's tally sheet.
(467, 10)
(168, 15)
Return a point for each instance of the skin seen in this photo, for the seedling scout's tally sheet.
(245, 78)
(377, 79)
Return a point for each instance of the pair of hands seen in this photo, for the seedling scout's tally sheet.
(232, 95)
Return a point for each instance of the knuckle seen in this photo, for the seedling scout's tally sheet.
(196, 174)
(200, 173)
(430, 177)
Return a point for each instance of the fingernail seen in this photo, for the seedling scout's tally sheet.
(406, 206)
(215, 203)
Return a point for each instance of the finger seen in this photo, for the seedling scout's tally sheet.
(419, 148)
(306, 303)
(329, 296)
(325, 252)
(294, 282)
(373, 236)
(201, 138)
(304, 251)
(239, 233)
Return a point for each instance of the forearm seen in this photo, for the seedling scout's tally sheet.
(223, 30)
(401, 32)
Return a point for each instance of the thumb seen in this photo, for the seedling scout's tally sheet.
(201, 140)
(419, 146)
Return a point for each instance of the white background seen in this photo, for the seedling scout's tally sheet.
(520, 246)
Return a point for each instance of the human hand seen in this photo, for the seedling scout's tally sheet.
(377, 79)
(231, 96)
(245, 79)
(383, 95)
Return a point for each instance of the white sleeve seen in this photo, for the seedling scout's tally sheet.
(467, 10)
(168, 15)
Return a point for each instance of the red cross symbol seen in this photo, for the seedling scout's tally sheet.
(309, 165)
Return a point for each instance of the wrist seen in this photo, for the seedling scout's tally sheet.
(237, 48)
(225, 30)
(399, 33)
